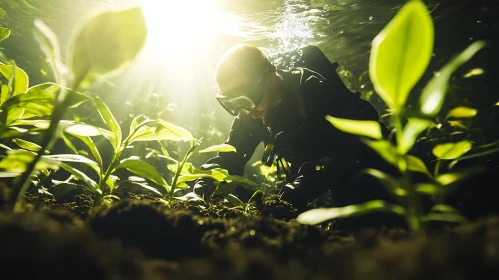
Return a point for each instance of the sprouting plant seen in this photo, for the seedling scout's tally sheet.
(105, 44)
(237, 203)
(184, 172)
(141, 129)
(400, 55)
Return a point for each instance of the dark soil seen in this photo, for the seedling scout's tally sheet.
(139, 237)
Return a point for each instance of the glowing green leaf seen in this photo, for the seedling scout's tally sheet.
(222, 148)
(416, 164)
(30, 146)
(143, 169)
(474, 72)
(384, 148)
(110, 121)
(476, 155)
(81, 176)
(138, 122)
(9, 174)
(82, 129)
(319, 215)
(169, 131)
(75, 158)
(4, 33)
(92, 147)
(429, 189)
(462, 112)
(363, 128)
(443, 208)
(106, 43)
(434, 92)
(20, 78)
(452, 150)
(410, 133)
(401, 52)
(161, 130)
(393, 185)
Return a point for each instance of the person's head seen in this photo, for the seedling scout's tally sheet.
(245, 79)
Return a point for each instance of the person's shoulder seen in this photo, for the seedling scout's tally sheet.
(310, 80)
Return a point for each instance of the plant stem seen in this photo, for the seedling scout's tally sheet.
(108, 173)
(413, 214)
(47, 143)
(179, 170)
(437, 168)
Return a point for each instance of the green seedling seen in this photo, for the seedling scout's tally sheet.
(400, 55)
(236, 203)
(184, 172)
(141, 129)
(89, 57)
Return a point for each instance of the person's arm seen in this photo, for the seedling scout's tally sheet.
(245, 135)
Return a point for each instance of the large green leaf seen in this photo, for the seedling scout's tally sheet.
(4, 33)
(433, 95)
(222, 148)
(363, 128)
(452, 150)
(319, 215)
(106, 43)
(143, 169)
(20, 78)
(401, 52)
(110, 121)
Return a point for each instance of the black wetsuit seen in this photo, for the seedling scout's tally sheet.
(303, 137)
